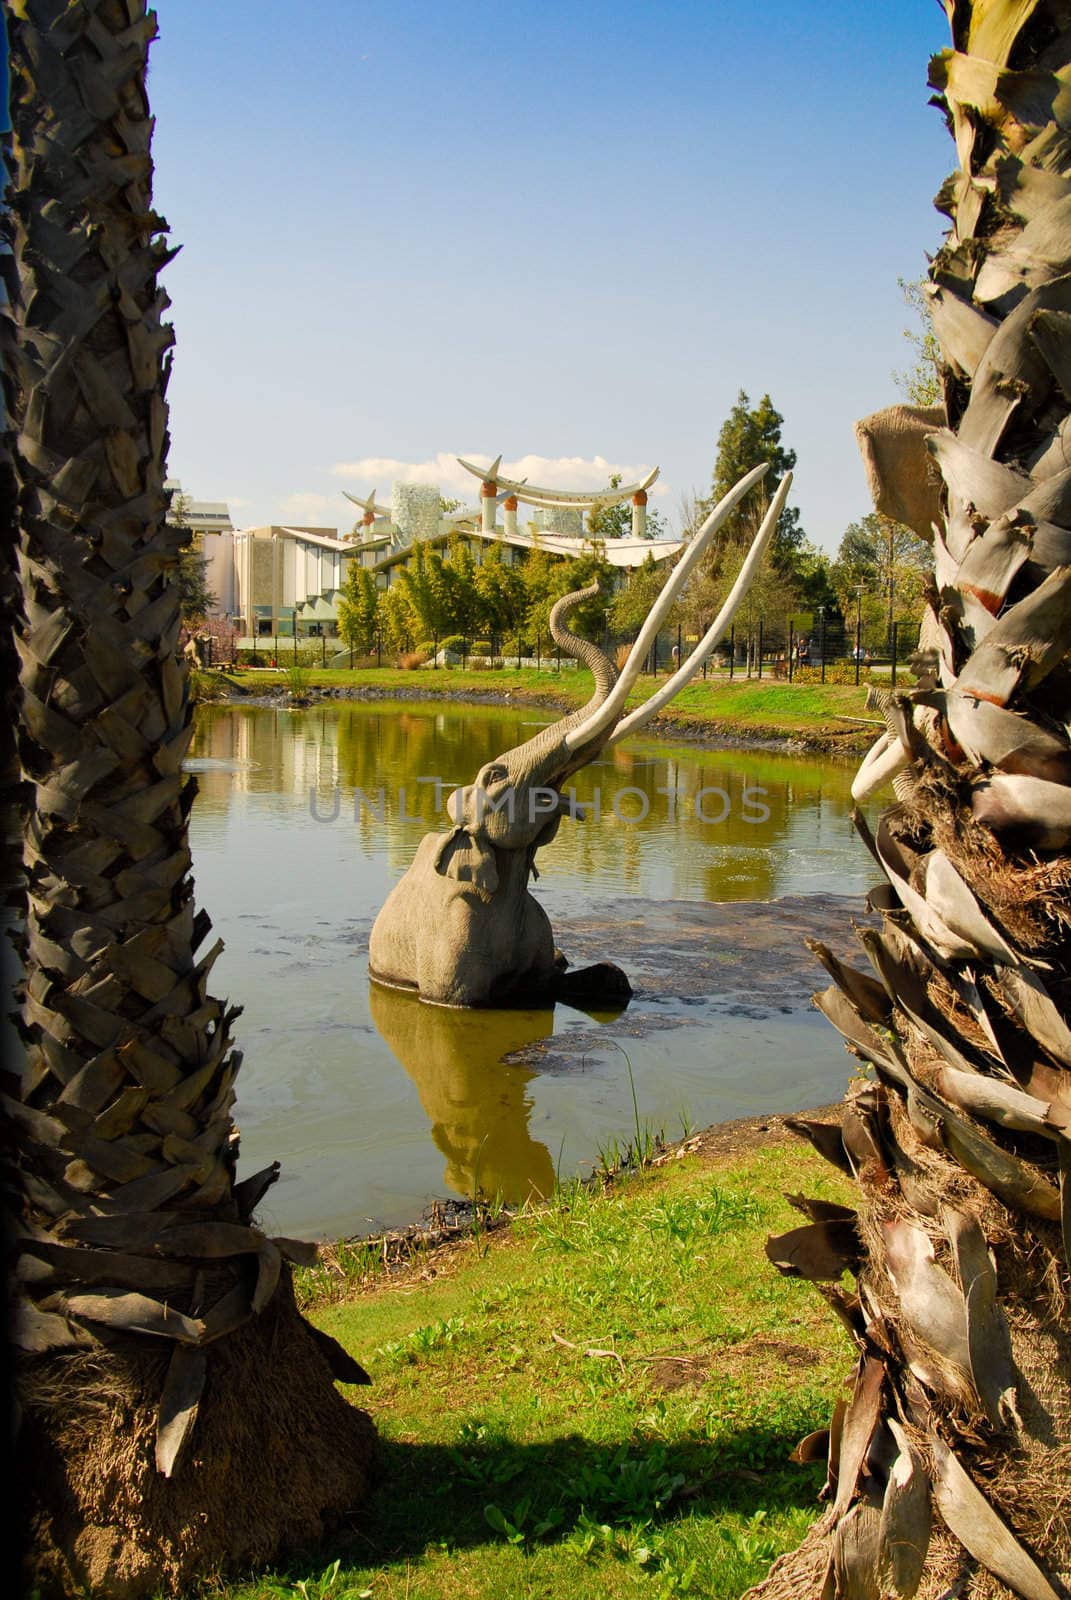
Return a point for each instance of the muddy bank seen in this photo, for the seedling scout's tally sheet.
(837, 738)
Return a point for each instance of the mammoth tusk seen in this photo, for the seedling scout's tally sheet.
(716, 631)
(885, 758)
(611, 708)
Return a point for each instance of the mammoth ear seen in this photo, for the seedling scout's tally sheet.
(467, 858)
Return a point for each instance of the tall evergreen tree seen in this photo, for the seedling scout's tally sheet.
(750, 435)
(177, 1415)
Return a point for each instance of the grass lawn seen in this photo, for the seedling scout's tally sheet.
(599, 1400)
(766, 705)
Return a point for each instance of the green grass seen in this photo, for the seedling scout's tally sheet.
(770, 705)
(597, 1401)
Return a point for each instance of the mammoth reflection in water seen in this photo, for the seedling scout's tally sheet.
(477, 1103)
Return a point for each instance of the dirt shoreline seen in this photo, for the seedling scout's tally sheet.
(848, 741)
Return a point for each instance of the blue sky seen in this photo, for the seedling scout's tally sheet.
(567, 233)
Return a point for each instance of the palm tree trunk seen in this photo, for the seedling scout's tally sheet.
(950, 1466)
(166, 1380)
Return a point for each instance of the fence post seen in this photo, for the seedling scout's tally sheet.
(858, 646)
(760, 647)
(379, 649)
(539, 641)
(558, 659)
(654, 657)
(295, 642)
(895, 626)
(732, 651)
(323, 649)
(791, 652)
(518, 652)
(435, 652)
(822, 640)
(351, 656)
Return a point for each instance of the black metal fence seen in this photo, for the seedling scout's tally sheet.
(781, 648)
(778, 648)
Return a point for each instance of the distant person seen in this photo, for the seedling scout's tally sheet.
(803, 651)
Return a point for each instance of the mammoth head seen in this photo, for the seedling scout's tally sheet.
(515, 803)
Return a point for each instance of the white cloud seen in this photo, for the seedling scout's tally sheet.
(547, 472)
(308, 504)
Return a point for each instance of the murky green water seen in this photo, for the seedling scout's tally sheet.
(374, 1103)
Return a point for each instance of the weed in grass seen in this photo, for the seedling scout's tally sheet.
(328, 1586)
(517, 1528)
(484, 1459)
(628, 1487)
(422, 1341)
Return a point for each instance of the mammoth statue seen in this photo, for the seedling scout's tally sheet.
(461, 927)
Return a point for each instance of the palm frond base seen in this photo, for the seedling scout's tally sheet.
(277, 1459)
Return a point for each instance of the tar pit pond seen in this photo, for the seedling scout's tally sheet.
(700, 872)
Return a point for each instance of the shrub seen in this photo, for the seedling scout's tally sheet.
(411, 659)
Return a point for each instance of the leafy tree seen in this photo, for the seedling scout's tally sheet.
(814, 582)
(921, 382)
(463, 600)
(399, 623)
(891, 562)
(540, 575)
(426, 590)
(502, 594)
(358, 608)
(630, 605)
(580, 572)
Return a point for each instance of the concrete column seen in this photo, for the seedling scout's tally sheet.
(510, 508)
(488, 496)
(639, 514)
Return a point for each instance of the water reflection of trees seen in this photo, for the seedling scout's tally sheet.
(369, 749)
(478, 1106)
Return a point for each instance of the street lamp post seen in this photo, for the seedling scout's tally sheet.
(822, 639)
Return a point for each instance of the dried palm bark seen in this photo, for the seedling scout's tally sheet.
(178, 1415)
(950, 1466)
